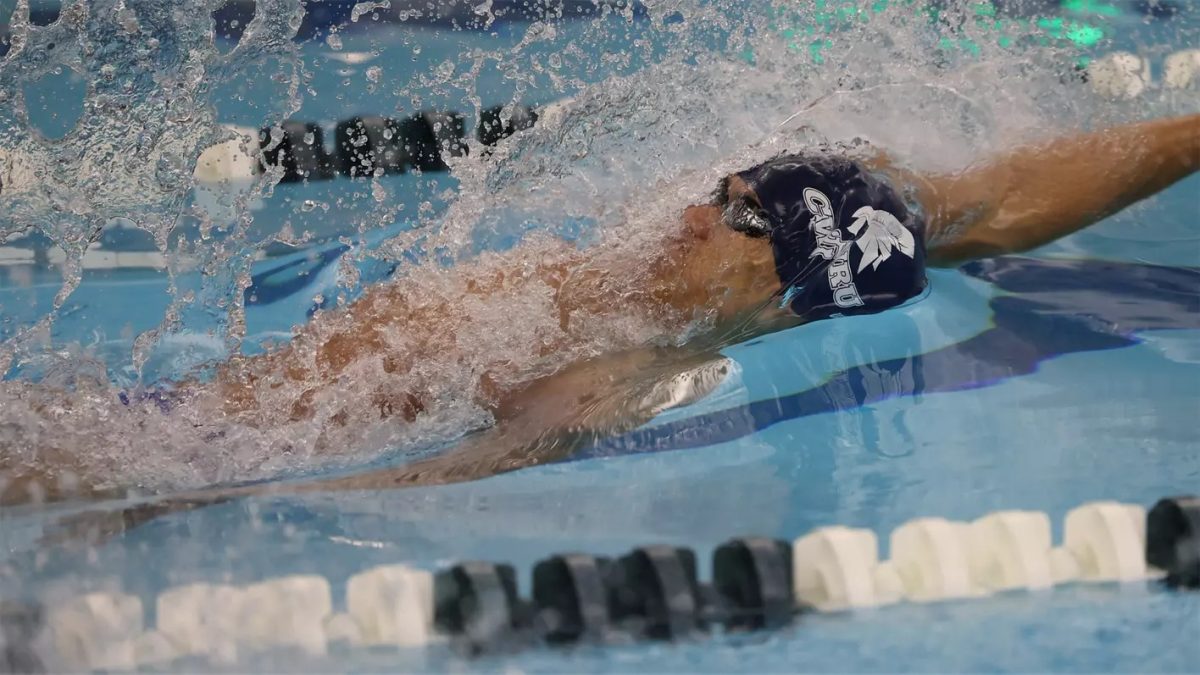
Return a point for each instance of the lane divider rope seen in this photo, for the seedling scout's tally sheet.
(651, 593)
(364, 146)
(368, 146)
(374, 145)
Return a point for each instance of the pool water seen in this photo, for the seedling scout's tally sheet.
(1035, 382)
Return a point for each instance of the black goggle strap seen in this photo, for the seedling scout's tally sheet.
(740, 216)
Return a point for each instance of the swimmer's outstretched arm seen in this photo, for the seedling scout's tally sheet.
(544, 422)
(1038, 193)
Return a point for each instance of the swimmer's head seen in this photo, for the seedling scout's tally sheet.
(770, 196)
(843, 240)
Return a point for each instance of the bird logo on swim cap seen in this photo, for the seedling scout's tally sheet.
(878, 234)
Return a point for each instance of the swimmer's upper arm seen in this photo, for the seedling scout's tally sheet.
(1038, 193)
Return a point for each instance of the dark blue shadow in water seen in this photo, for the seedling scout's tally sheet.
(1063, 307)
(273, 285)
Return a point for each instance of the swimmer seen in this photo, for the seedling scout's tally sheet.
(798, 238)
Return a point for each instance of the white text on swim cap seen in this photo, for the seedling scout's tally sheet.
(829, 245)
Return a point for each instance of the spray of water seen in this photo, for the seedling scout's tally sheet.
(664, 99)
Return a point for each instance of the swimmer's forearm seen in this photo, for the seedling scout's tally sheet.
(543, 422)
(1040, 193)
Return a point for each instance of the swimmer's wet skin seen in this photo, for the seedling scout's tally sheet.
(796, 239)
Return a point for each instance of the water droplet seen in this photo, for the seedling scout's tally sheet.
(334, 41)
(169, 171)
(373, 73)
(129, 22)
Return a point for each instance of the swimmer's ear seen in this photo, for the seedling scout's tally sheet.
(700, 220)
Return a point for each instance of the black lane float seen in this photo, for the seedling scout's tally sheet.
(1173, 540)
(372, 145)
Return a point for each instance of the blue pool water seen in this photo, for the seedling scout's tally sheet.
(1087, 392)
(1036, 382)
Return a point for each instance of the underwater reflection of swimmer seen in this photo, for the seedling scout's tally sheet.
(796, 239)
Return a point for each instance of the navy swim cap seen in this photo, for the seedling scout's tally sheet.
(844, 241)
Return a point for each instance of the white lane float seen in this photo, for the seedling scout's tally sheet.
(1181, 70)
(837, 568)
(96, 631)
(1119, 75)
(391, 605)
